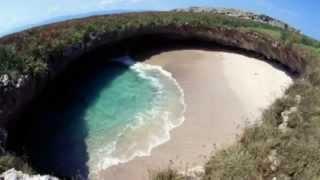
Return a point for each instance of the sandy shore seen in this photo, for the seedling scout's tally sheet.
(223, 91)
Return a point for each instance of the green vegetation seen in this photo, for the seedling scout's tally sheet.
(276, 34)
(9, 61)
(29, 52)
(168, 174)
(297, 149)
(264, 151)
(8, 161)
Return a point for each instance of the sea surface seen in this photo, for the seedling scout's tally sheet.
(107, 121)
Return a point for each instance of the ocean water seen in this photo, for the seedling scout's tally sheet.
(107, 122)
(133, 115)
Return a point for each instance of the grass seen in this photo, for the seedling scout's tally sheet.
(297, 149)
(168, 174)
(275, 34)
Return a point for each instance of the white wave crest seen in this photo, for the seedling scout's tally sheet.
(163, 119)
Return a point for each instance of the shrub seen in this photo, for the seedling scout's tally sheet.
(9, 60)
(168, 174)
(9, 161)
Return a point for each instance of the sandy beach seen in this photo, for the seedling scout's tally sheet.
(223, 92)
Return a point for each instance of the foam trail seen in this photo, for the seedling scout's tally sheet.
(157, 118)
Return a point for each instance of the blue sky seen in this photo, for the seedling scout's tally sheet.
(14, 14)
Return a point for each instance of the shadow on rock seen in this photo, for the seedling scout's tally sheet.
(54, 131)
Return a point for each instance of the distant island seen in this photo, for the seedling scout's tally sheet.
(36, 63)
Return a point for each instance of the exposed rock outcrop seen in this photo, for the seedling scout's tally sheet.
(13, 174)
(15, 94)
(195, 173)
(286, 114)
(4, 80)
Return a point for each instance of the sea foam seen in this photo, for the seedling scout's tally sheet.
(150, 128)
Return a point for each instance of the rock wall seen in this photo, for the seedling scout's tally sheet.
(15, 95)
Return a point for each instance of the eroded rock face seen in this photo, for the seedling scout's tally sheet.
(13, 174)
(4, 80)
(16, 94)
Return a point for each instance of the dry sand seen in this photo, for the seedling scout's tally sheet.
(223, 91)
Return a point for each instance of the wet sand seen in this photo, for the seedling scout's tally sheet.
(223, 92)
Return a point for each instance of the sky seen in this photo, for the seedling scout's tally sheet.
(18, 14)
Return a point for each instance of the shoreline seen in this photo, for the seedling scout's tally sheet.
(160, 79)
(215, 112)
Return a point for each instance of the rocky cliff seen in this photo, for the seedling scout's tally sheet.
(16, 93)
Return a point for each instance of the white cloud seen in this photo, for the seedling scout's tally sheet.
(108, 3)
(54, 9)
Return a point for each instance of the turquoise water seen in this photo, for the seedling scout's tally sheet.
(132, 115)
(107, 121)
